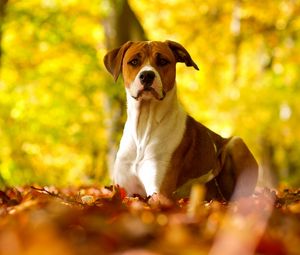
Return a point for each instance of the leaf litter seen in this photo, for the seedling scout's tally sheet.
(103, 220)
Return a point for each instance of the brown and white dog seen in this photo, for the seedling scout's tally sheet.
(163, 150)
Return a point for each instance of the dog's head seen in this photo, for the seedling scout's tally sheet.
(148, 68)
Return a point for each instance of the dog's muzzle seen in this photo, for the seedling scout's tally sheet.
(147, 78)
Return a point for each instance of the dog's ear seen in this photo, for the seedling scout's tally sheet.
(181, 54)
(113, 60)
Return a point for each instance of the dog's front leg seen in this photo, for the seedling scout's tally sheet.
(124, 172)
(124, 176)
(151, 173)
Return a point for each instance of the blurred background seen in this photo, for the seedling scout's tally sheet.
(61, 115)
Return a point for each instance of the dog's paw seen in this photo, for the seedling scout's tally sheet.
(160, 201)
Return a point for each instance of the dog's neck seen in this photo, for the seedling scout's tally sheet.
(145, 116)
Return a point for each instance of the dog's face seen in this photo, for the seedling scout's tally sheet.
(148, 68)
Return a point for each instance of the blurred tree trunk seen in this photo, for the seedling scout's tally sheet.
(270, 171)
(2, 14)
(121, 25)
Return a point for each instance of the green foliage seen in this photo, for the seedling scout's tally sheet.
(51, 107)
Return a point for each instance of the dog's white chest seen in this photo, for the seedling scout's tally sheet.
(151, 135)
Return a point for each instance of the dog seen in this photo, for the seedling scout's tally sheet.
(163, 150)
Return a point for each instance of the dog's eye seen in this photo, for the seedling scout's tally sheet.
(162, 62)
(134, 62)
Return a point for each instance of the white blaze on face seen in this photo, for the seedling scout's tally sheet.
(136, 89)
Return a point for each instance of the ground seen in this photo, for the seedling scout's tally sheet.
(103, 220)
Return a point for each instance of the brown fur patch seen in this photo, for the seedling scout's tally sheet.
(198, 153)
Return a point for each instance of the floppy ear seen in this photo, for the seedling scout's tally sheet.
(181, 54)
(114, 58)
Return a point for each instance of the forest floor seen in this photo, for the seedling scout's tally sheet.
(102, 220)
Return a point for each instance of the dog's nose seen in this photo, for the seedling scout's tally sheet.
(146, 78)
